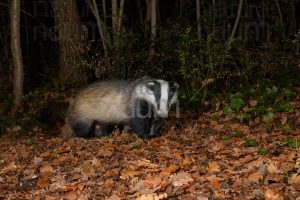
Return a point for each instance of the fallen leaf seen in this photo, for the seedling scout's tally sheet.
(181, 179)
(128, 173)
(252, 102)
(152, 196)
(213, 167)
(10, 167)
(43, 181)
(105, 153)
(272, 168)
(255, 177)
(46, 169)
(169, 170)
(295, 181)
(272, 194)
(72, 195)
(215, 183)
(114, 197)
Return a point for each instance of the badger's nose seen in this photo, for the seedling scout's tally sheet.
(162, 114)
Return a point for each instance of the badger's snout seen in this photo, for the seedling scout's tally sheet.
(162, 113)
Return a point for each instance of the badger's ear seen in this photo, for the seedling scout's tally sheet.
(174, 85)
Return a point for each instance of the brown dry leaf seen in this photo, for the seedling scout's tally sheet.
(105, 153)
(154, 182)
(272, 194)
(114, 197)
(217, 127)
(152, 196)
(43, 181)
(87, 170)
(213, 167)
(9, 168)
(252, 102)
(181, 179)
(128, 173)
(255, 177)
(295, 181)
(169, 170)
(72, 195)
(146, 163)
(96, 163)
(46, 169)
(215, 183)
(45, 154)
(272, 168)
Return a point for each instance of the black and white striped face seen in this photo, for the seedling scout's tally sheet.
(160, 94)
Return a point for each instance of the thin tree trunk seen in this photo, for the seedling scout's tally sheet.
(101, 28)
(294, 17)
(114, 17)
(214, 14)
(104, 12)
(105, 39)
(279, 13)
(120, 17)
(16, 55)
(153, 26)
(148, 11)
(153, 20)
(198, 19)
(236, 23)
(140, 11)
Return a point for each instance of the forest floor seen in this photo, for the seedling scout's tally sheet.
(211, 156)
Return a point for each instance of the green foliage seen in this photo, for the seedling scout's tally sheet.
(267, 118)
(236, 101)
(243, 117)
(262, 151)
(286, 128)
(227, 110)
(272, 91)
(250, 143)
(288, 93)
(284, 107)
(238, 133)
(292, 143)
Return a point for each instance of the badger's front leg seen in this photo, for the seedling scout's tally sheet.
(156, 126)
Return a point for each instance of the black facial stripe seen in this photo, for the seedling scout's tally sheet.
(172, 90)
(157, 93)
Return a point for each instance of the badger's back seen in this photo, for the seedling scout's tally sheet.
(106, 102)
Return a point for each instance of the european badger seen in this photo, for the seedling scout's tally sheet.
(142, 105)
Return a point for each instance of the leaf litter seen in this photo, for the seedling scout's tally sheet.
(200, 159)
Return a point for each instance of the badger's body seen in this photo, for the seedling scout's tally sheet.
(137, 104)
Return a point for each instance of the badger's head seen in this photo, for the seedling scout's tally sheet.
(159, 94)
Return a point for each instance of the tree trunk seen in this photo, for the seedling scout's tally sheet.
(120, 17)
(153, 19)
(153, 26)
(16, 55)
(198, 19)
(236, 23)
(148, 11)
(140, 11)
(70, 46)
(114, 17)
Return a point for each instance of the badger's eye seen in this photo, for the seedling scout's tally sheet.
(151, 86)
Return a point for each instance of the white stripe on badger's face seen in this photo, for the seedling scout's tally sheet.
(163, 108)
